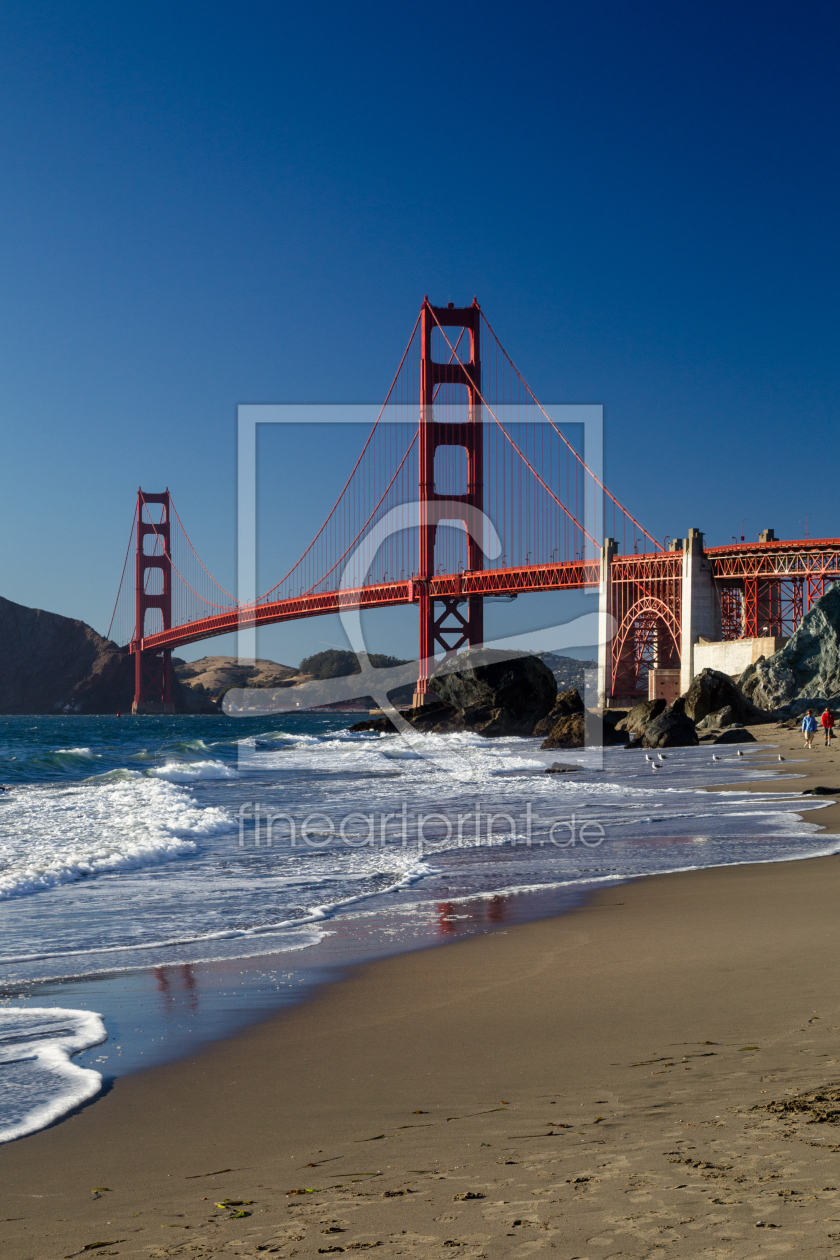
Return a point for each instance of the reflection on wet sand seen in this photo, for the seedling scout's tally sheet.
(454, 918)
(177, 987)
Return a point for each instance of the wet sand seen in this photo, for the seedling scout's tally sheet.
(631, 1079)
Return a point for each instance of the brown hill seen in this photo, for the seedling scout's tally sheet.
(55, 664)
(212, 676)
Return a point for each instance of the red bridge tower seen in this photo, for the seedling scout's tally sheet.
(449, 628)
(152, 667)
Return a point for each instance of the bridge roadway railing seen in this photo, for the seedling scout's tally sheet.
(794, 558)
(645, 594)
(564, 575)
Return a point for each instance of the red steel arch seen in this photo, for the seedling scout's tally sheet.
(639, 644)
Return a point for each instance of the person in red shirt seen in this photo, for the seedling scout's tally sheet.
(827, 723)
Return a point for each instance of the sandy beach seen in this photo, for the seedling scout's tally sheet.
(655, 1073)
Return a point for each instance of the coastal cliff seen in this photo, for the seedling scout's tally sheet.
(55, 664)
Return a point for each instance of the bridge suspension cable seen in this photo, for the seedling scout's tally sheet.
(544, 500)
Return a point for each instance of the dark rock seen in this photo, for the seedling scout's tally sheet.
(641, 715)
(569, 732)
(383, 725)
(805, 673)
(735, 735)
(557, 767)
(821, 791)
(495, 694)
(673, 728)
(713, 723)
(583, 730)
(711, 691)
(429, 717)
(567, 703)
(604, 730)
(489, 692)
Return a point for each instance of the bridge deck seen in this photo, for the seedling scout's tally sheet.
(790, 558)
(563, 576)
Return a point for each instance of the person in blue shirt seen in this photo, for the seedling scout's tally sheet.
(809, 726)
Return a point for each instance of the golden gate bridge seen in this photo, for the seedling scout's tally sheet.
(467, 488)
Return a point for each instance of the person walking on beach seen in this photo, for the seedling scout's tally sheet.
(827, 720)
(809, 726)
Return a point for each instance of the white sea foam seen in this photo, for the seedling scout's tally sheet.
(159, 951)
(38, 1081)
(190, 771)
(51, 836)
(134, 868)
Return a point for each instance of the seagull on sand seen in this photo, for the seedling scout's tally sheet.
(647, 758)
(781, 758)
(661, 756)
(714, 758)
(654, 766)
(739, 753)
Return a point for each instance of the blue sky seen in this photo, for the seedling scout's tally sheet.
(203, 205)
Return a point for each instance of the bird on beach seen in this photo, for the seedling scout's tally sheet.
(654, 766)
(647, 758)
(714, 758)
(739, 753)
(781, 758)
(661, 756)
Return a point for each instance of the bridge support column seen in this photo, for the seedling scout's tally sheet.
(152, 590)
(450, 630)
(700, 613)
(153, 682)
(605, 625)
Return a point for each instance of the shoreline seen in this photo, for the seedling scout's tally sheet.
(243, 991)
(162, 1013)
(446, 1063)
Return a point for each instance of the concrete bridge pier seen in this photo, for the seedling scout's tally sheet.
(700, 606)
(606, 627)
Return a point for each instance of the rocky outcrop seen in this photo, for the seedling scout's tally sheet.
(712, 702)
(673, 728)
(805, 673)
(735, 735)
(567, 703)
(568, 732)
(715, 722)
(583, 730)
(713, 692)
(491, 693)
(496, 694)
(640, 717)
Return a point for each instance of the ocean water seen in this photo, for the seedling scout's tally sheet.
(147, 846)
